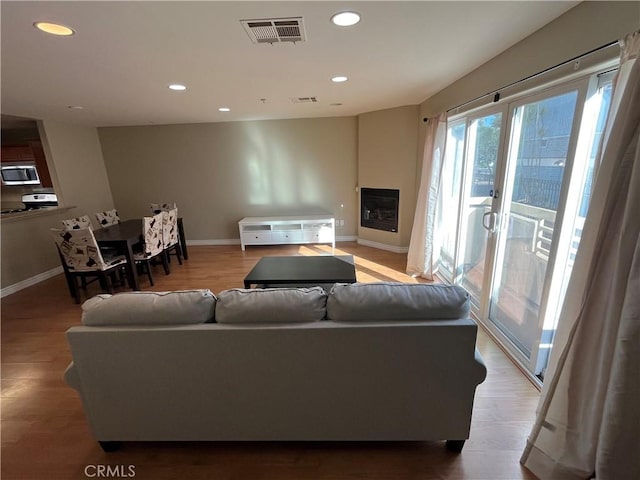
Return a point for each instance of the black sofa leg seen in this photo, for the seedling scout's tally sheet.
(455, 445)
(110, 446)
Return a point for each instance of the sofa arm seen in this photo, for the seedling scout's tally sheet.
(482, 368)
(71, 376)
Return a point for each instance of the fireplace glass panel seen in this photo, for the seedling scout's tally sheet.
(379, 208)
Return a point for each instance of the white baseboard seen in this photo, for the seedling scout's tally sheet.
(342, 238)
(346, 238)
(224, 241)
(236, 241)
(41, 277)
(383, 246)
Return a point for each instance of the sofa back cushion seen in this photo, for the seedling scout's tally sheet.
(271, 305)
(401, 301)
(150, 308)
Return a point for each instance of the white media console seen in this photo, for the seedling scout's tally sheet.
(291, 229)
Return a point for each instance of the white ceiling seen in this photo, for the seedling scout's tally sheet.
(124, 55)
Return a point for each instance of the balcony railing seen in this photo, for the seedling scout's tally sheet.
(533, 191)
(537, 192)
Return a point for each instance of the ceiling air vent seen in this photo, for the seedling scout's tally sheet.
(275, 30)
(304, 99)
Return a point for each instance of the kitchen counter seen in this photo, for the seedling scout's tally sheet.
(38, 212)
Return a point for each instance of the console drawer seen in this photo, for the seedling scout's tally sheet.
(286, 236)
(257, 237)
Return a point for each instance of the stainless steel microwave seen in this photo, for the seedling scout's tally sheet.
(23, 173)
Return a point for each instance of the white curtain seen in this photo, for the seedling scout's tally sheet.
(424, 247)
(589, 413)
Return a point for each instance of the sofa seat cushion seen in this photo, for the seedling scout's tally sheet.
(271, 305)
(150, 308)
(401, 301)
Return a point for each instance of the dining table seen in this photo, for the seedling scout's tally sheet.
(123, 236)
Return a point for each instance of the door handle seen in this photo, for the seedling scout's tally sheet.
(491, 224)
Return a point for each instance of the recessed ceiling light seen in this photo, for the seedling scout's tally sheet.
(54, 28)
(339, 79)
(177, 87)
(74, 107)
(224, 109)
(345, 19)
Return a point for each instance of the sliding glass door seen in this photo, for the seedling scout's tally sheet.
(515, 188)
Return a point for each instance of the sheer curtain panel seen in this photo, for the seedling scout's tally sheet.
(588, 419)
(423, 246)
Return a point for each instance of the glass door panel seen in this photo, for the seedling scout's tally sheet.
(576, 205)
(539, 145)
(481, 163)
(449, 198)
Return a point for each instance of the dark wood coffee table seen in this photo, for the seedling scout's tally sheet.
(301, 271)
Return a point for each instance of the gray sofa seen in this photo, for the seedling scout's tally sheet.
(381, 361)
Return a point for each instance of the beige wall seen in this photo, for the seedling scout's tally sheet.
(75, 162)
(218, 173)
(585, 27)
(28, 249)
(387, 155)
(77, 168)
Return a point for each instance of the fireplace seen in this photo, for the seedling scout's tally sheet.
(379, 208)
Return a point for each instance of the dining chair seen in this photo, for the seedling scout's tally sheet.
(152, 246)
(170, 239)
(161, 207)
(82, 258)
(77, 223)
(108, 218)
(85, 222)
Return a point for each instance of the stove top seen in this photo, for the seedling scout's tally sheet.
(33, 201)
(18, 210)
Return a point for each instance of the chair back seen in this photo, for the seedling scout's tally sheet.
(79, 249)
(161, 207)
(110, 217)
(152, 231)
(170, 227)
(77, 223)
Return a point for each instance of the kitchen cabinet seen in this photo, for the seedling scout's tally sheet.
(41, 164)
(17, 153)
(32, 152)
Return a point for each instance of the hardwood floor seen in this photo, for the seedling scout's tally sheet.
(45, 434)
